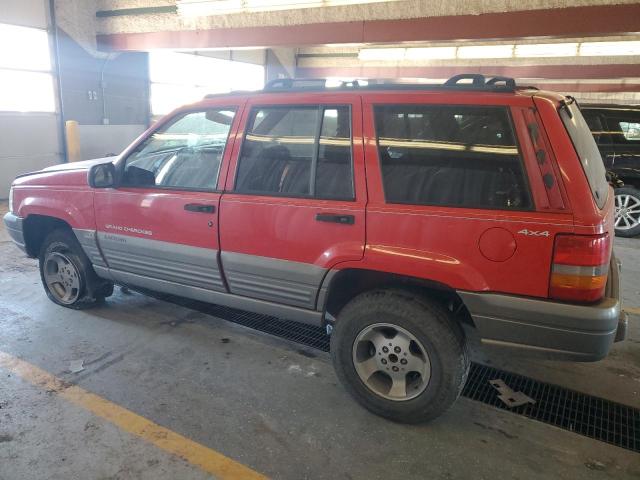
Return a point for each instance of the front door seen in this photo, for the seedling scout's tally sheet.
(294, 205)
(158, 229)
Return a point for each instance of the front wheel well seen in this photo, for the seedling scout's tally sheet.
(349, 283)
(36, 228)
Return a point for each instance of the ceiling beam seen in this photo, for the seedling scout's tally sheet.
(558, 22)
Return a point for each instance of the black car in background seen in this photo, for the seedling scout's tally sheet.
(616, 129)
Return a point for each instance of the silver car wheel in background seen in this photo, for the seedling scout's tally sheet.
(62, 277)
(627, 213)
(391, 362)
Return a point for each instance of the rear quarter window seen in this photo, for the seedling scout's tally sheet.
(587, 150)
(450, 155)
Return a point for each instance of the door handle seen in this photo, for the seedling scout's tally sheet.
(336, 218)
(200, 208)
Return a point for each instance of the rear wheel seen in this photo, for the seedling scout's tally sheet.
(627, 214)
(67, 275)
(400, 355)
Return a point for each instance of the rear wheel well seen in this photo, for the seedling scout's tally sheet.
(36, 228)
(349, 283)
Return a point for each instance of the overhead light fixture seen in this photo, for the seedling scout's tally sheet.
(385, 54)
(604, 49)
(486, 51)
(547, 50)
(431, 53)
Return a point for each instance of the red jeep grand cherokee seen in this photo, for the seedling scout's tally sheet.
(389, 213)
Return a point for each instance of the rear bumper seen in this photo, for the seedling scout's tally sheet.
(14, 228)
(576, 332)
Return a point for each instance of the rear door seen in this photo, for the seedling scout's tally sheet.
(295, 200)
(159, 228)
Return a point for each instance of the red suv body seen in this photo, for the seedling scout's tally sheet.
(385, 212)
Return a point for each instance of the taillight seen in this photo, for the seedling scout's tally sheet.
(580, 267)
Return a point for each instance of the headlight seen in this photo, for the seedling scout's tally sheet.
(11, 199)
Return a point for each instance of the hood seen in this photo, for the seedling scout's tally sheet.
(84, 165)
(65, 174)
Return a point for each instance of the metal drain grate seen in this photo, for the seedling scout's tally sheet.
(577, 412)
(309, 335)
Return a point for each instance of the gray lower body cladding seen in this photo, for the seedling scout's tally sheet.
(271, 279)
(577, 332)
(259, 285)
(177, 263)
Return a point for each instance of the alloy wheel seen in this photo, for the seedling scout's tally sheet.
(391, 362)
(61, 277)
(627, 213)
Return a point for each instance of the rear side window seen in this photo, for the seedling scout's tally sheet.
(459, 156)
(297, 151)
(587, 150)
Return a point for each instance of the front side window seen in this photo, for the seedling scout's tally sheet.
(458, 156)
(297, 151)
(183, 154)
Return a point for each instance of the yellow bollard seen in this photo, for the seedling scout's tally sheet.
(73, 140)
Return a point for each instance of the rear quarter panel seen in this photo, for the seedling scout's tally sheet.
(442, 244)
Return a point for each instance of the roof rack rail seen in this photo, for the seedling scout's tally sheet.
(463, 81)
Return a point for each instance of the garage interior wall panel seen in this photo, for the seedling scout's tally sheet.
(28, 140)
(126, 85)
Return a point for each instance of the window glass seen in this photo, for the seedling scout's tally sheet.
(630, 130)
(587, 151)
(287, 151)
(26, 82)
(334, 177)
(597, 127)
(450, 155)
(186, 153)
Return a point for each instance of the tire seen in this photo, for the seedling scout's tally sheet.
(627, 219)
(355, 341)
(67, 275)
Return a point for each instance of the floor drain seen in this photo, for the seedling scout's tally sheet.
(577, 412)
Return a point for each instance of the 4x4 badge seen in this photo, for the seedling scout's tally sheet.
(534, 233)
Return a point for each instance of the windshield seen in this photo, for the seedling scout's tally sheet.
(587, 150)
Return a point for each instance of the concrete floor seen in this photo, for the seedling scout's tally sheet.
(264, 402)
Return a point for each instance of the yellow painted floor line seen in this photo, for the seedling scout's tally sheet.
(194, 453)
(632, 310)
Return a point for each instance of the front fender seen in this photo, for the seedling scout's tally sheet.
(73, 207)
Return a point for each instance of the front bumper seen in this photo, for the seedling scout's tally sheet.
(14, 226)
(576, 332)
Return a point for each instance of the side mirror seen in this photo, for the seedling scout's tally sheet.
(102, 175)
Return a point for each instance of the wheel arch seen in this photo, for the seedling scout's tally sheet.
(340, 286)
(37, 227)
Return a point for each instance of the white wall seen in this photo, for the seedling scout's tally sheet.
(28, 141)
(97, 141)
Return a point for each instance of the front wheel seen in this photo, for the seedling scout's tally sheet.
(627, 215)
(400, 355)
(67, 275)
